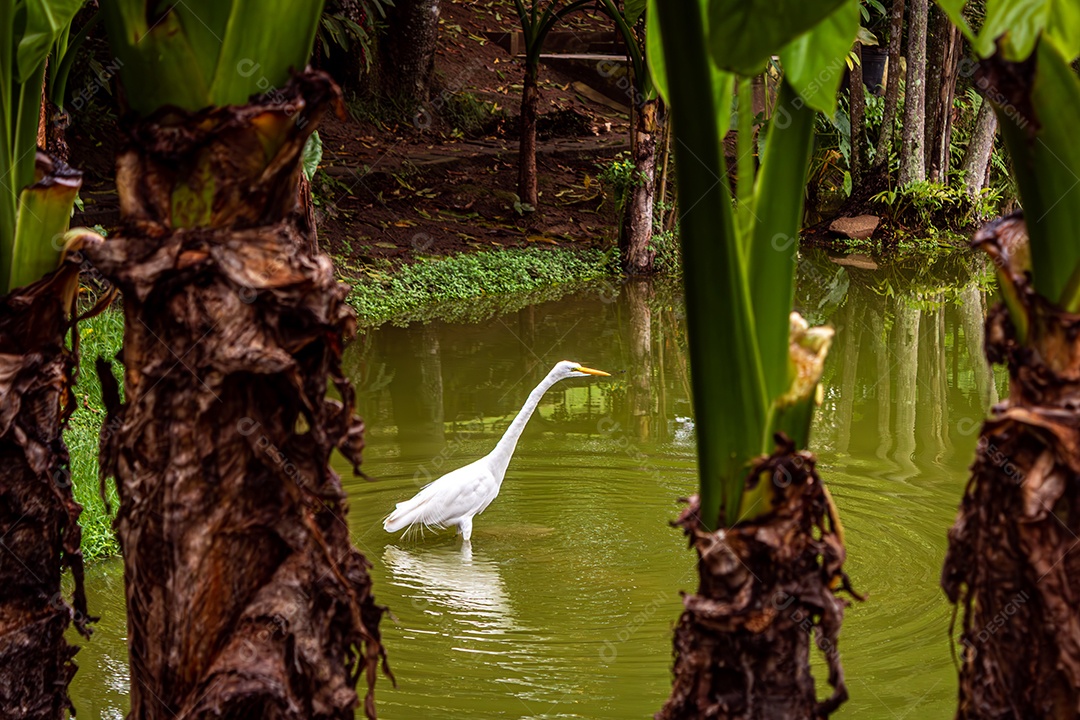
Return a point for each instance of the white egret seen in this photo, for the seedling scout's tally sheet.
(455, 498)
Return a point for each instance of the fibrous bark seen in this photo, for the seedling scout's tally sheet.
(742, 645)
(528, 191)
(245, 598)
(635, 235)
(39, 530)
(1009, 565)
(913, 151)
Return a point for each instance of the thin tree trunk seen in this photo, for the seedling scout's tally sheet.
(407, 51)
(906, 337)
(244, 595)
(857, 100)
(971, 319)
(849, 372)
(883, 378)
(642, 406)
(979, 149)
(1010, 565)
(942, 69)
(636, 231)
(530, 100)
(913, 152)
(661, 186)
(39, 530)
(892, 88)
(742, 644)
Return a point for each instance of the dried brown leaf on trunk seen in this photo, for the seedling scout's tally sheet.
(742, 645)
(245, 596)
(1011, 564)
(39, 530)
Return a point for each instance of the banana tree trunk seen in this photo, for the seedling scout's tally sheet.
(39, 530)
(245, 597)
(528, 190)
(742, 645)
(636, 230)
(1010, 564)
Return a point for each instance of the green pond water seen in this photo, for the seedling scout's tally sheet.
(565, 605)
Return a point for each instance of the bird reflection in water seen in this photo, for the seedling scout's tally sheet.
(469, 587)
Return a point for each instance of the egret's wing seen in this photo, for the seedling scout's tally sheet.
(462, 492)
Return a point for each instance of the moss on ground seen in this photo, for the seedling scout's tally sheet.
(100, 336)
(481, 275)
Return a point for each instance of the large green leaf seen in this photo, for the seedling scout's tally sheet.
(729, 397)
(1016, 23)
(46, 20)
(632, 10)
(776, 230)
(1064, 26)
(654, 50)
(1046, 162)
(158, 65)
(264, 42)
(743, 34)
(814, 63)
(203, 53)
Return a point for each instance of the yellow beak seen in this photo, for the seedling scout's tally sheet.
(590, 371)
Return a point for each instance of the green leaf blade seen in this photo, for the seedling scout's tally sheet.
(814, 63)
(729, 399)
(743, 34)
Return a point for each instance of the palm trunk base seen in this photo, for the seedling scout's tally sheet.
(742, 645)
(1011, 564)
(39, 531)
(245, 597)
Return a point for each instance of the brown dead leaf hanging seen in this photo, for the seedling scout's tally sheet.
(39, 530)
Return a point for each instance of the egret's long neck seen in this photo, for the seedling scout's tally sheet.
(505, 449)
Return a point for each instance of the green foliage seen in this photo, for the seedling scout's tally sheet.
(469, 115)
(30, 219)
(312, 155)
(383, 296)
(338, 30)
(617, 178)
(100, 336)
(208, 53)
(1038, 111)
(537, 23)
(936, 207)
(738, 271)
(665, 243)
(744, 34)
(814, 62)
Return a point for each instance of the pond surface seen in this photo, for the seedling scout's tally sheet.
(564, 606)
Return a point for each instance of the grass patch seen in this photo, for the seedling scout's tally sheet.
(99, 336)
(474, 275)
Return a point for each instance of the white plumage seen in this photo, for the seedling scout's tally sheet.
(458, 496)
